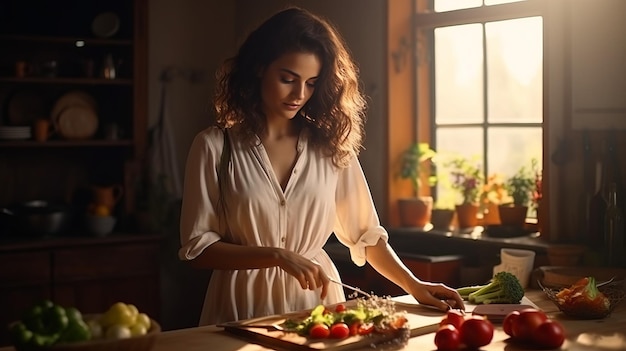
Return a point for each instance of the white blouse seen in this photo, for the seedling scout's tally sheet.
(319, 199)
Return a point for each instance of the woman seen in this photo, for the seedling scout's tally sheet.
(290, 126)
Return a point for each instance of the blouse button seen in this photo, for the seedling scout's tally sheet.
(282, 239)
(282, 202)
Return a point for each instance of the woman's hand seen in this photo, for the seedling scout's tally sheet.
(309, 274)
(437, 295)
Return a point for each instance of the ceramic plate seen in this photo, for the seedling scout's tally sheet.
(77, 122)
(105, 25)
(72, 98)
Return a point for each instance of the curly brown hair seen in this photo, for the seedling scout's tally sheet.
(335, 113)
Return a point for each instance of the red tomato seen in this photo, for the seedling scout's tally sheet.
(549, 335)
(340, 308)
(476, 331)
(360, 328)
(319, 331)
(339, 331)
(455, 318)
(354, 328)
(509, 320)
(365, 329)
(447, 338)
(529, 319)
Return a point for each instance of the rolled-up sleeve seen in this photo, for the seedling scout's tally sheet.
(199, 223)
(357, 224)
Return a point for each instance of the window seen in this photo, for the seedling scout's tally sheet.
(485, 72)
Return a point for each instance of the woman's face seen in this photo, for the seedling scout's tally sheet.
(288, 83)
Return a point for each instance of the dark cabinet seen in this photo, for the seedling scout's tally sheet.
(90, 274)
(81, 66)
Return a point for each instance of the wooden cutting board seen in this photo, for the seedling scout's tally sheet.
(422, 320)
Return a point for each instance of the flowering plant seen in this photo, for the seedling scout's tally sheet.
(494, 191)
(466, 179)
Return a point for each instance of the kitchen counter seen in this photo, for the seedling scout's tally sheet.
(605, 334)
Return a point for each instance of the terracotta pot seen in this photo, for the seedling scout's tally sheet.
(513, 215)
(442, 219)
(466, 215)
(491, 215)
(415, 212)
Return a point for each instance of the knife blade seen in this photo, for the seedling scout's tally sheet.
(350, 287)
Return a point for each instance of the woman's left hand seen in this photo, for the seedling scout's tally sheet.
(437, 295)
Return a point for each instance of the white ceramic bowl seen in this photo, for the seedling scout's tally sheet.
(100, 225)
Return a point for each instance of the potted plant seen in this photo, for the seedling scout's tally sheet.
(493, 194)
(416, 165)
(466, 179)
(520, 186)
(442, 215)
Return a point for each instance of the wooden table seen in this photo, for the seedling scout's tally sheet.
(605, 334)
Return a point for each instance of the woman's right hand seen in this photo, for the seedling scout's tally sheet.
(309, 274)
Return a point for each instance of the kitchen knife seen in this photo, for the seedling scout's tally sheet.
(350, 287)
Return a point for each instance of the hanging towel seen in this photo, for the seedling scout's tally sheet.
(162, 153)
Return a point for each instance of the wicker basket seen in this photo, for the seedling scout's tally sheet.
(614, 292)
(136, 343)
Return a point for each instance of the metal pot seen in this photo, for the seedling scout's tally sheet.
(36, 217)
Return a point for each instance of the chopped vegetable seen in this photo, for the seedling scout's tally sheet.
(369, 316)
(503, 288)
(584, 296)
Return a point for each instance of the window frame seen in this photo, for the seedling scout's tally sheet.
(425, 21)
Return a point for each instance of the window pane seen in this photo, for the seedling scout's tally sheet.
(459, 74)
(510, 148)
(452, 143)
(514, 73)
(448, 5)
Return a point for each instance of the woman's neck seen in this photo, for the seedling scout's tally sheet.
(276, 130)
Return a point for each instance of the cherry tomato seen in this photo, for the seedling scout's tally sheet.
(447, 338)
(509, 320)
(455, 318)
(354, 328)
(476, 331)
(549, 335)
(360, 328)
(365, 329)
(340, 308)
(339, 331)
(319, 331)
(529, 319)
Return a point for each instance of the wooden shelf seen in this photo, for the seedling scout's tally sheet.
(65, 143)
(39, 39)
(68, 80)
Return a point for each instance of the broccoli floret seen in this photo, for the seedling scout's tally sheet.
(466, 290)
(503, 288)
